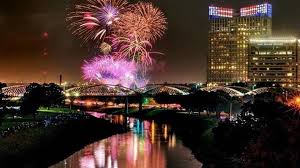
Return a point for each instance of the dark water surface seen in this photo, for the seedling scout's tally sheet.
(146, 145)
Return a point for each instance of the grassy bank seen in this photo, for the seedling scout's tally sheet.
(42, 146)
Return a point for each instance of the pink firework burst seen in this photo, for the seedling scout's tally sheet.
(92, 20)
(108, 70)
(142, 20)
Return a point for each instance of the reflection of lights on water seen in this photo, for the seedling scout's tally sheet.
(100, 155)
(165, 131)
(87, 162)
(96, 114)
(121, 119)
(108, 161)
(115, 164)
(147, 125)
(131, 125)
(130, 150)
(135, 149)
(137, 128)
(172, 141)
(114, 147)
(153, 132)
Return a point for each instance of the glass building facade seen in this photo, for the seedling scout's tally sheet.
(229, 33)
(275, 60)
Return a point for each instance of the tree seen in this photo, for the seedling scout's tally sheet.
(165, 98)
(266, 84)
(276, 146)
(2, 102)
(53, 95)
(202, 100)
(2, 107)
(2, 85)
(240, 84)
(32, 99)
(264, 135)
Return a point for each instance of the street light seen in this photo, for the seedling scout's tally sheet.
(76, 94)
(71, 97)
(64, 85)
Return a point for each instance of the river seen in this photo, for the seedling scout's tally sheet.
(146, 145)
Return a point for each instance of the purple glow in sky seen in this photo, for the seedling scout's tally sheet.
(108, 70)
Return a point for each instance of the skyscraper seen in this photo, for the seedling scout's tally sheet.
(274, 60)
(229, 33)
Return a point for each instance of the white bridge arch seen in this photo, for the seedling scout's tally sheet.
(152, 90)
(99, 90)
(14, 91)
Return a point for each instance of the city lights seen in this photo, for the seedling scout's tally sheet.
(294, 103)
(267, 40)
(229, 38)
(149, 84)
(216, 12)
(257, 10)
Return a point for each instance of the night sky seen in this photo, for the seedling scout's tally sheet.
(28, 54)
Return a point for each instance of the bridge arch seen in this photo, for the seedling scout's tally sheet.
(231, 91)
(154, 90)
(14, 91)
(99, 90)
(268, 89)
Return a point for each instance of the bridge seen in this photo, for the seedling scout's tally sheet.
(149, 90)
(99, 90)
(14, 91)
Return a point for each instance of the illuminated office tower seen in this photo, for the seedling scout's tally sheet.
(274, 60)
(229, 33)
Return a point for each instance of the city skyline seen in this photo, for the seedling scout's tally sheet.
(28, 54)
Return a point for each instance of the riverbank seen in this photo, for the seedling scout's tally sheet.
(50, 142)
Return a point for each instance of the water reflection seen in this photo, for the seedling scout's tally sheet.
(147, 145)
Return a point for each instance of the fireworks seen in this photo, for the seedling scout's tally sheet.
(133, 49)
(107, 70)
(294, 103)
(91, 21)
(142, 20)
(127, 31)
(105, 48)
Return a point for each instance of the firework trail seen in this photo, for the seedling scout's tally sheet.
(142, 20)
(92, 20)
(133, 49)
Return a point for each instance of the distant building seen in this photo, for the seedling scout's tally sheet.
(229, 33)
(274, 59)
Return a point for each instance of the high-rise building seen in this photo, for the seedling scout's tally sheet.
(229, 33)
(274, 60)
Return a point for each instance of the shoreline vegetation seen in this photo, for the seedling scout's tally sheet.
(50, 138)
